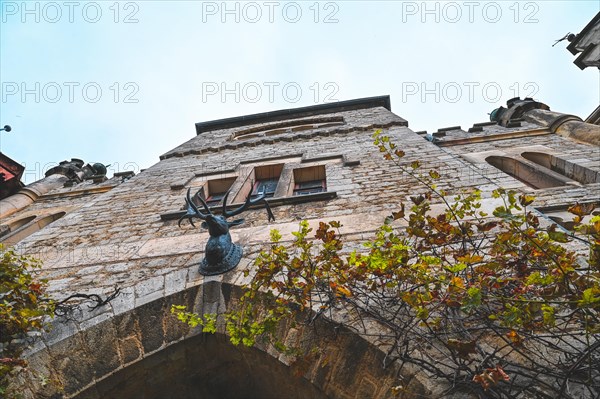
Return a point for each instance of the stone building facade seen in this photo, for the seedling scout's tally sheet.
(317, 164)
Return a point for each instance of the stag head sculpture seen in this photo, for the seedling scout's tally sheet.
(221, 254)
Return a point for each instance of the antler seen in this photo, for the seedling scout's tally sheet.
(247, 204)
(192, 209)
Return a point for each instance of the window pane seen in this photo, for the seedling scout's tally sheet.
(266, 187)
(215, 199)
(309, 187)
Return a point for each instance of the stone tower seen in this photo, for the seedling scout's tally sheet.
(315, 163)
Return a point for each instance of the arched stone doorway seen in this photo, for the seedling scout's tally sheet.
(207, 367)
(146, 352)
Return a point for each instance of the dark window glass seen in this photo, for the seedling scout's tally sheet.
(309, 187)
(215, 199)
(266, 187)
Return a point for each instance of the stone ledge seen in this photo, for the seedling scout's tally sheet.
(273, 202)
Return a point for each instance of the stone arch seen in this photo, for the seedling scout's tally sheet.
(530, 174)
(29, 225)
(11, 227)
(209, 367)
(94, 358)
(568, 169)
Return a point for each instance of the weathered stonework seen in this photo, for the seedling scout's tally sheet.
(122, 236)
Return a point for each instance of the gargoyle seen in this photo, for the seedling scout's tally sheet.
(221, 254)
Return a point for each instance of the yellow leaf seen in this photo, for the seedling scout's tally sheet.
(342, 291)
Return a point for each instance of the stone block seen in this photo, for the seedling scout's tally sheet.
(59, 330)
(101, 342)
(149, 290)
(123, 302)
(150, 322)
(72, 364)
(130, 349)
(212, 289)
(175, 281)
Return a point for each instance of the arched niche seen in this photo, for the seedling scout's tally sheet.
(568, 169)
(534, 177)
(28, 226)
(16, 224)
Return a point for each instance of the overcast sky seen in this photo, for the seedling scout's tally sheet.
(124, 82)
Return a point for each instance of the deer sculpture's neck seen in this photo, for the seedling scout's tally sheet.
(217, 225)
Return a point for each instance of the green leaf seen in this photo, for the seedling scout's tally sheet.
(556, 235)
(459, 267)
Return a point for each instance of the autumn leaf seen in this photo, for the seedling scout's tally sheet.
(434, 174)
(469, 258)
(400, 214)
(581, 209)
(491, 377)
(486, 226)
(514, 337)
(525, 199)
(340, 290)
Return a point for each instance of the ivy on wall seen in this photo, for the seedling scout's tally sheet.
(494, 304)
(24, 308)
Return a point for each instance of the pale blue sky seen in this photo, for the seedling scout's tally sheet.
(174, 58)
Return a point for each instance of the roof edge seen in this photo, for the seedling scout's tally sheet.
(272, 116)
(594, 117)
(572, 47)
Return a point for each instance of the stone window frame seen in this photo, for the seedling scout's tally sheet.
(535, 176)
(7, 228)
(208, 183)
(534, 173)
(252, 171)
(315, 175)
(215, 189)
(284, 192)
(286, 170)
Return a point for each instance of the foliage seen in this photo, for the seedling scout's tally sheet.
(495, 305)
(24, 306)
(208, 321)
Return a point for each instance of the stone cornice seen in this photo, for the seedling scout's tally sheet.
(494, 137)
(295, 113)
(284, 137)
(77, 193)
